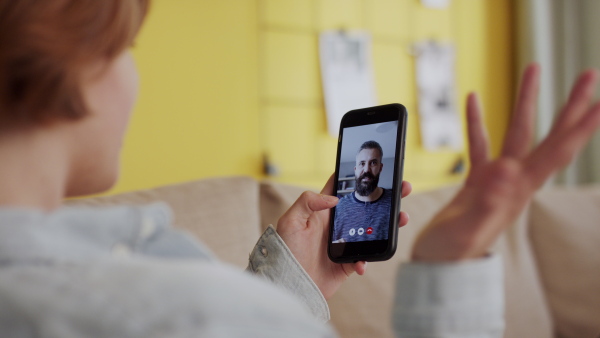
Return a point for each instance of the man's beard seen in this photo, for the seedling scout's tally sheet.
(366, 188)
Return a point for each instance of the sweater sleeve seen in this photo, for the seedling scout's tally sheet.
(432, 300)
(273, 260)
(463, 299)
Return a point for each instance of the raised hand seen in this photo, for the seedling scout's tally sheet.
(497, 191)
(305, 229)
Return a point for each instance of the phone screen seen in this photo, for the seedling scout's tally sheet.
(365, 183)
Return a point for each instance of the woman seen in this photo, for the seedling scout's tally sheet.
(67, 90)
(67, 87)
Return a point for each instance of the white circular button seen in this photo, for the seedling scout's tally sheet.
(361, 231)
(352, 232)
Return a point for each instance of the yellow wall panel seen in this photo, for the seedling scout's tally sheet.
(326, 152)
(388, 18)
(413, 133)
(394, 73)
(287, 13)
(291, 71)
(298, 145)
(434, 24)
(290, 139)
(499, 85)
(197, 110)
(326, 149)
(339, 14)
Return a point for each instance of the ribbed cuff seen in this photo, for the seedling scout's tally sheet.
(273, 260)
(464, 299)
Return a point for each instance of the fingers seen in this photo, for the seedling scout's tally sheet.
(328, 188)
(403, 219)
(520, 132)
(575, 125)
(579, 99)
(359, 267)
(590, 122)
(406, 188)
(560, 146)
(478, 141)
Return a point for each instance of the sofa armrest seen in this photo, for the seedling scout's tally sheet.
(565, 234)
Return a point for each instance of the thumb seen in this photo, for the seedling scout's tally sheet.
(310, 202)
(305, 206)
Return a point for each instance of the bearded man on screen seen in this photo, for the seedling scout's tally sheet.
(364, 215)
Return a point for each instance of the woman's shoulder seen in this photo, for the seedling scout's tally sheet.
(133, 297)
(75, 234)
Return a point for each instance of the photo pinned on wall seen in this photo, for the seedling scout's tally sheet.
(436, 83)
(347, 74)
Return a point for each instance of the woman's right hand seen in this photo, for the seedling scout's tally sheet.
(497, 191)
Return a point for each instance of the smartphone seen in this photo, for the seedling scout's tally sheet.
(368, 182)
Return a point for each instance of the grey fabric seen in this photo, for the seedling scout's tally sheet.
(123, 272)
(223, 212)
(450, 299)
(267, 261)
(80, 234)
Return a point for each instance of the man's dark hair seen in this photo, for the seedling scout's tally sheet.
(371, 145)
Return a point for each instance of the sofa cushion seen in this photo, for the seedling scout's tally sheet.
(565, 233)
(221, 212)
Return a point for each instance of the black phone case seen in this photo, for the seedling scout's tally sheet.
(369, 250)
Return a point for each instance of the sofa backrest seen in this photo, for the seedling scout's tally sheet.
(551, 254)
(222, 212)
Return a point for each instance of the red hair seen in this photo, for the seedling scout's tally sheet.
(44, 45)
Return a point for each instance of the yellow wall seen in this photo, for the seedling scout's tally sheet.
(197, 114)
(291, 105)
(224, 82)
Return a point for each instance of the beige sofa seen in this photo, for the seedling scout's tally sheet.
(551, 255)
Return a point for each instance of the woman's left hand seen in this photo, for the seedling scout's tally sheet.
(305, 230)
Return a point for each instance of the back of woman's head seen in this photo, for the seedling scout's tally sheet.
(45, 45)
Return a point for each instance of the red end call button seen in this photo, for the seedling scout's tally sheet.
(369, 230)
